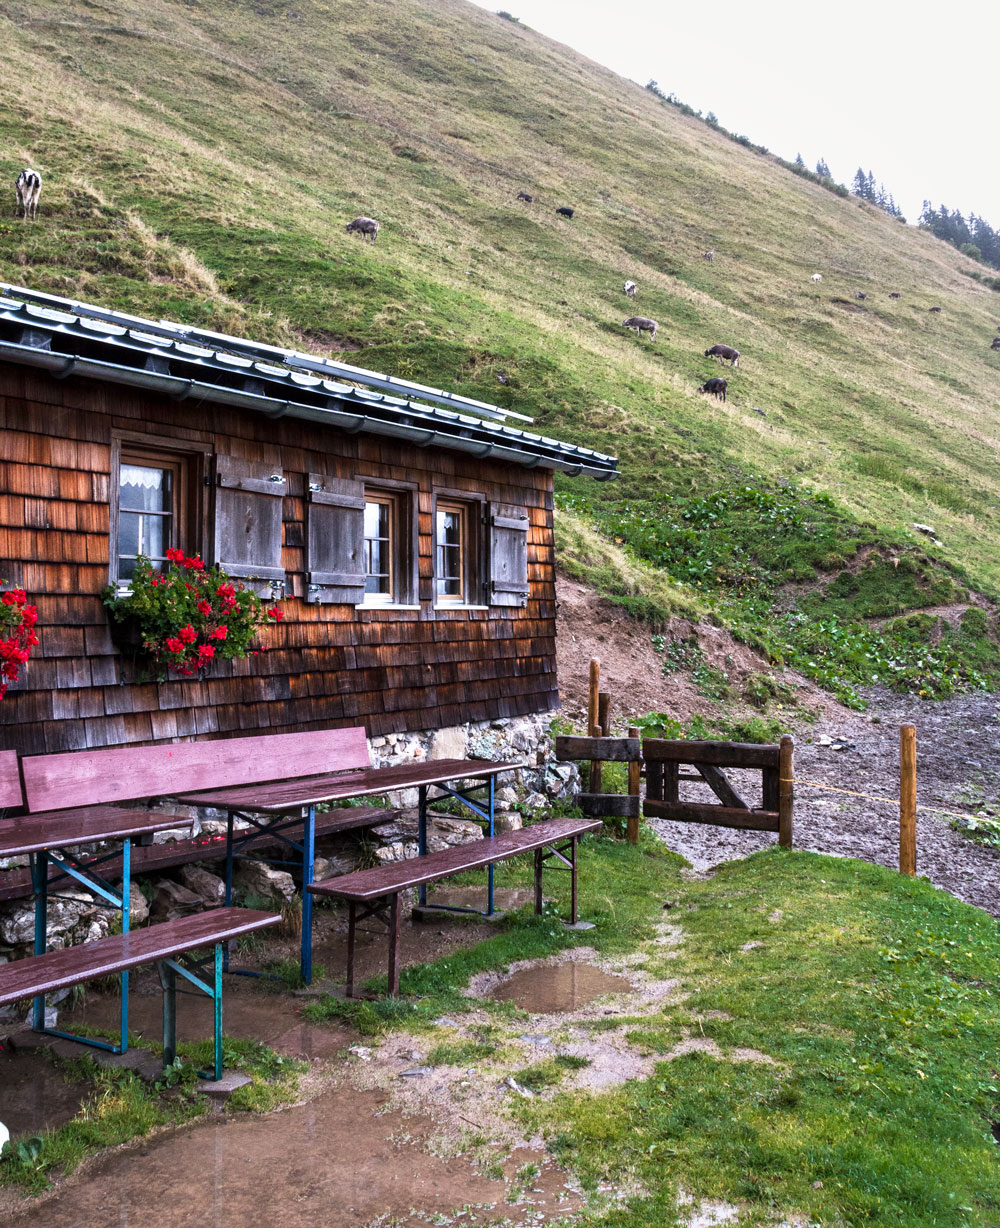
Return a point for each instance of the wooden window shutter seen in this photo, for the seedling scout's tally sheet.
(508, 555)
(336, 526)
(248, 505)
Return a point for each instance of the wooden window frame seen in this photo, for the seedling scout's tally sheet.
(473, 508)
(404, 582)
(188, 463)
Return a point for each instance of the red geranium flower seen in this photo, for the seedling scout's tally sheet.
(204, 607)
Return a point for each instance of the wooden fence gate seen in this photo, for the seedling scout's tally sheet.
(664, 758)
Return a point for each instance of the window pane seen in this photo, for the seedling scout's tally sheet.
(450, 553)
(145, 489)
(378, 547)
(146, 515)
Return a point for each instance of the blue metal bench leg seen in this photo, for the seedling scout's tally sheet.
(98, 887)
(40, 875)
(308, 864)
(199, 977)
(422, 839)
(168, 983)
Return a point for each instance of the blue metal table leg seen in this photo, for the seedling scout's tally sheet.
(126, 903)
(489, 877)
(422, 837)
(218, 1011)
(308, 863)
(229, 877)
(40, 883)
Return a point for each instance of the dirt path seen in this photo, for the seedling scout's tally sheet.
(958, 756)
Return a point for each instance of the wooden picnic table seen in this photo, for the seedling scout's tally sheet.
(273, 806)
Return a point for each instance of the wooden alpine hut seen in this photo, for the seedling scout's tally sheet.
(404, 532)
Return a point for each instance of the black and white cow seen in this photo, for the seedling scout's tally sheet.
(28, 188)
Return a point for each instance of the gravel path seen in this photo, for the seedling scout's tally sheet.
(958, 767)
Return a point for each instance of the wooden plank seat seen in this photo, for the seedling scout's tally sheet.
(152, 858)
(168, 944)
(375, 892)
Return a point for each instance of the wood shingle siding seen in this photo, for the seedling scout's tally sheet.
(328, 663)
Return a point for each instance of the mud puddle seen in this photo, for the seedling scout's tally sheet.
(34, 1096)
(549, 989)
(251, 1011)
(342, 1161)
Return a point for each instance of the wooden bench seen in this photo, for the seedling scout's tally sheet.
(169, 945)
(375, 893)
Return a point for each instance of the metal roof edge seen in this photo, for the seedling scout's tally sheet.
(180, 388)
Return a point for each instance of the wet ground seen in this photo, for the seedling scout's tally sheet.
(958, 759)
(34, 1096)
(545, 990)
(342, 1160)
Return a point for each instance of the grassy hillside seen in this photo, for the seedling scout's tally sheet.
(201, 161)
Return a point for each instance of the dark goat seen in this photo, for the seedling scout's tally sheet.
(895, 294)
(566, 212)
(726, 353)
(861, 294)
(715, 387)
(525, 196)
(996, 344)
(641, 324)
(366, 227)
(934, 309)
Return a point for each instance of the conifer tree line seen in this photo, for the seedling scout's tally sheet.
(865, 187)
(974, 237)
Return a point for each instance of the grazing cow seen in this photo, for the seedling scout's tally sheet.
(861, 295)
(715, 387)
(630, 288)
(28, 188)
(934, 309)
(366, 227)
(564, 211)
(816, 277)
(895, 294)
(526, 197)
(640, 324)
(996, 344)
(709, 255)
(726, 353)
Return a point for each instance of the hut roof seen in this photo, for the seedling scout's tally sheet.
(69, 338)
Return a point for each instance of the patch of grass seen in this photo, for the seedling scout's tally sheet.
(120, 1108)
(460, 1053)
(549, 1072)
(275, 1077)
(871, 1007)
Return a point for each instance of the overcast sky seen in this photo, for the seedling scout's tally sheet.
(881, 84)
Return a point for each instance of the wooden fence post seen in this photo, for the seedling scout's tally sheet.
(596, 765)
(634, 770)
(786, 791)
(593, 720)
(907, 799)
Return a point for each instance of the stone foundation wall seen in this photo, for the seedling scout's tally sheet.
(524, 739)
